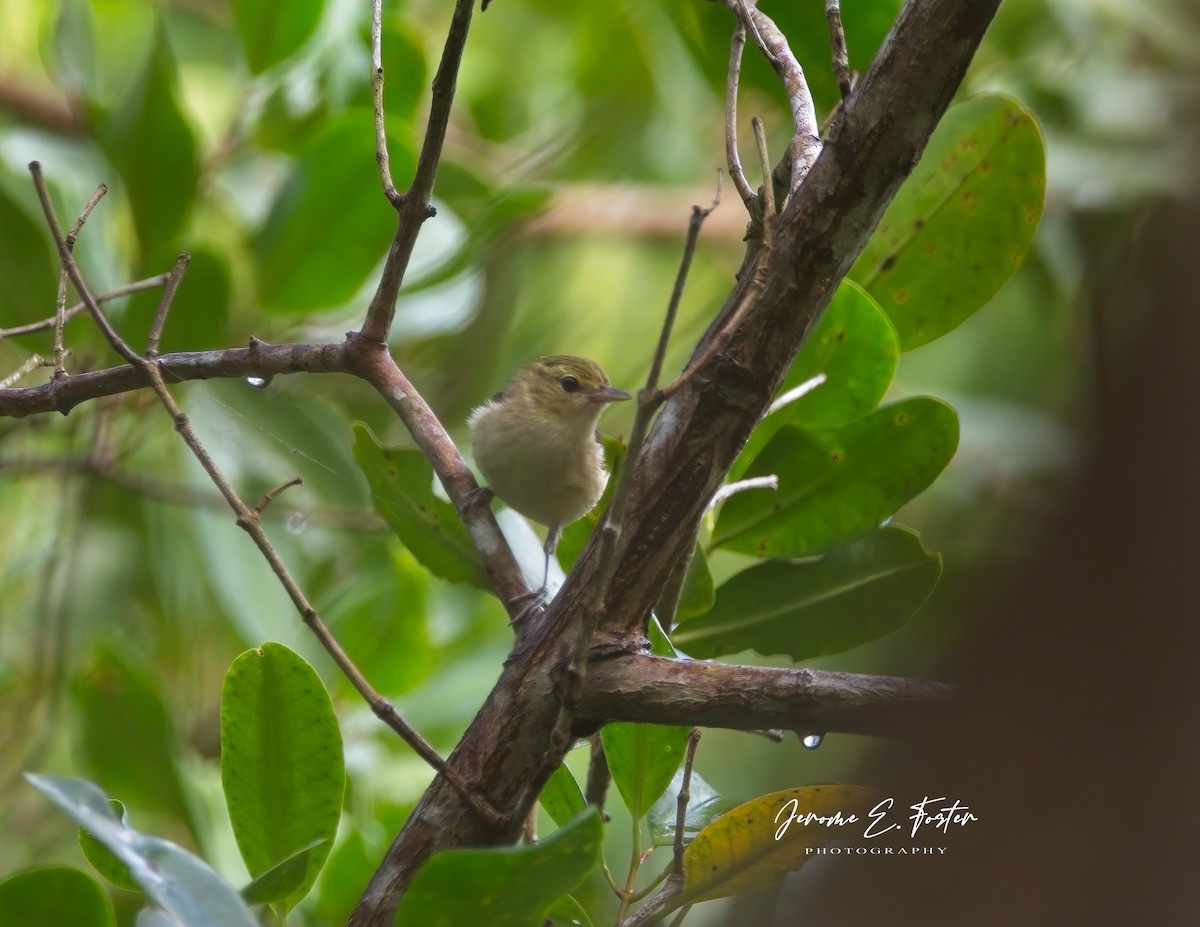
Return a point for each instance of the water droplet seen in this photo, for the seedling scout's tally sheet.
(812, 741)
(259, 382)
(295, 523)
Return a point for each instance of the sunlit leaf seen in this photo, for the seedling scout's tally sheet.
(739, 851)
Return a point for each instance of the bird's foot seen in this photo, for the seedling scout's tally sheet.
(530, 604)
(480, 495)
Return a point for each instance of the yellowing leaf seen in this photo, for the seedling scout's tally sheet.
(739, 852)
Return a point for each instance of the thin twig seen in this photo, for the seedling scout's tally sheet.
(729, 489)
(34, 362)
(272, 494)
(681, 803)
(60, 303)
(248, 519)
(164, 303)
(40, 326)
(837, 42)
(414, 206)
(381, 147)
(737, 45)
(598, 776)
(768, 185)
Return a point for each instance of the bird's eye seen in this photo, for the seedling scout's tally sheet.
(569, 383)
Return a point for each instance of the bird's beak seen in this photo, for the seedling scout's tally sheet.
(608, 394)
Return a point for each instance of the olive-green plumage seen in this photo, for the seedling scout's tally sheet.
(535, 441)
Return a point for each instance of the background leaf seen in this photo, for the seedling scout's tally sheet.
(271, 32)
(53, 895)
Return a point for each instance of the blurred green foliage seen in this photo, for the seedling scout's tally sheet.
(581, 136)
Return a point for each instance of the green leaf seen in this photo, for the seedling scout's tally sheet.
(705, 805)
(855, 594)
(281, 761)
(837, 483)
(27, 285)
(103, 860)
(963, 221)
(178, 882)
(510, 887)
(642, 759)
(54, 895)
(744, 849)
(127, 735)
(567, 912)
(152, 145)
(285, 878)
(401, 482)
(272, 31)
(561, 796)
(854, 345)
(698, 595)
(330, 226)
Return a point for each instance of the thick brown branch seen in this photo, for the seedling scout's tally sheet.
(638, 687)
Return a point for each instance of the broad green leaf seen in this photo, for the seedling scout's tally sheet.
(30, 269)
(54, 895)
(561, 796)
(963, 221)
(739, 851)
(838, 483)
(698, 594)
(642, 759)
(854, 345)
(127, 734)
(285, 878)
(401, 482)
(178, 882)
(856, 593)
(151, 144)
(272, 31)
(103, 860)
(330, 226)
(705, 805)
(281, 761)
(510, 887)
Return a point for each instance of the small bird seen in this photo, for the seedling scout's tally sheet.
(536, 443)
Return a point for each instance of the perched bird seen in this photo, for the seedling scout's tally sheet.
(535, 442)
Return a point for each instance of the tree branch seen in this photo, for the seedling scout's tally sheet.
(658, 690)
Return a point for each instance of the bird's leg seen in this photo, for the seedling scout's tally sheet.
(480, 495)
(537, 598)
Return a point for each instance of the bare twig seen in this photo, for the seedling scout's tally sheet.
(164, 303)
(768, 185)
(837, 42)
(34, 362)
(681, 803)
(414, 206)
(598, 776)
(737, 45)
(60, 303)
(136, 287)
(806, 142)
(381, 146)
(272, 494)
(248, 519)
